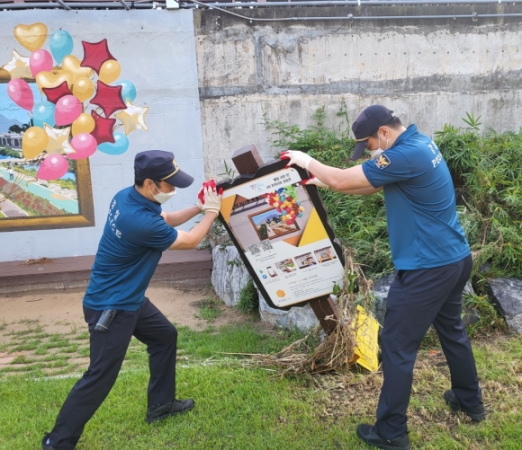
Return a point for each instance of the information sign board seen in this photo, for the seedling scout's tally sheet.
(283, 235)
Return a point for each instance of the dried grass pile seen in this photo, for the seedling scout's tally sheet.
(335, 353)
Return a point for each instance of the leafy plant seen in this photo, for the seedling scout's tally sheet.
(489, 319)
(249, 299)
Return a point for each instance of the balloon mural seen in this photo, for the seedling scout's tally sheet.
(82, 101)
(284, 200)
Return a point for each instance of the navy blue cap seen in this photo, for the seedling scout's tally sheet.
(367, 124)
(158, 165)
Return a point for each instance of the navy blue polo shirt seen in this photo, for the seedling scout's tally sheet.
(133, 240)
(421, 212)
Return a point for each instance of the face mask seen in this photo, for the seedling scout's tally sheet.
(163, 197)
(375, 153)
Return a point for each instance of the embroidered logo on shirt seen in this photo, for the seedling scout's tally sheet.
(382, 161)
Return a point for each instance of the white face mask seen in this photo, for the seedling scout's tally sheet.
(375, 153)
(163, 197)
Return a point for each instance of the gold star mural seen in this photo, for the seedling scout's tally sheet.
(18, 67)
(133, 118)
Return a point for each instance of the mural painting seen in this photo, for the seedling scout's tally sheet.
(56, 110)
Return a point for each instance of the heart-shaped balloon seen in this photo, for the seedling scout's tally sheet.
(72, 64)
(32, 37)
(53, 79)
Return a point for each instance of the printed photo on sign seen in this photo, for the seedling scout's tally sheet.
(273, 216)
(305, 260)
(286, 266)
(325, 254)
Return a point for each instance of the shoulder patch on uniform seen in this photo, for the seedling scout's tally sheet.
(382, 161)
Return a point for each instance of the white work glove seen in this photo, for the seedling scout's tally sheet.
(297, 158)
(201, 199)
(316, 181)
(211, 200)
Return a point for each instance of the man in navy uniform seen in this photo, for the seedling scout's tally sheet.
(431, 255)
(136, 233)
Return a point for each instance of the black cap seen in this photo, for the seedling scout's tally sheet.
(367, 124)
(158, 165)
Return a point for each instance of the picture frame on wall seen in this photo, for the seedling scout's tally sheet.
(27, 203)
(283, 235)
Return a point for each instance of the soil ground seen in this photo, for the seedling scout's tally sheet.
(61, 312)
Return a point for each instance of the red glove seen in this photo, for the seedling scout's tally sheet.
(315, 181)
(201, 194)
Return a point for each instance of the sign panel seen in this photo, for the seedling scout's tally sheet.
(283, 235)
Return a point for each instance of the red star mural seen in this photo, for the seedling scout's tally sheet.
(95, 54)
(103, 129)
(56, 93)
(108, 98)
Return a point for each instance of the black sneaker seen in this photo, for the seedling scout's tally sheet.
(160, 412)
(477, 413)
(368, 434)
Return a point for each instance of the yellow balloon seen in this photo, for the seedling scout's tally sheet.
(34, 142)
(73, 65)
(83, 88)
(53, 79)
(83, 124)
(109, 71)
(32, 37)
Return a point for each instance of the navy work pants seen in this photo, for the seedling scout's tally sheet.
(417, 299)
(107, 351)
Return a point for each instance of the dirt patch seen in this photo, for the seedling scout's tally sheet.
(61, 311)
(46, 329)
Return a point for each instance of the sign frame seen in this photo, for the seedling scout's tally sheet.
(277, 173)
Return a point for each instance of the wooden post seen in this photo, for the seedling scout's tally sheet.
(247, 160)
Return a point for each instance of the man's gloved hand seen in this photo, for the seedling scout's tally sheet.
(201, 197)
(316, 181)
(211, 200)
(297, 158)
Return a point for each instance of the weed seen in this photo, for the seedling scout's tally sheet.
(249, 299)
(210, 309)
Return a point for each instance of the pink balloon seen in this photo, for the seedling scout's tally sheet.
(53, 167)
(21, 93)
(68, 109)
(85, 145)
(41, 60)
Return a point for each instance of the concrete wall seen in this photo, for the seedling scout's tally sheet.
(156, 51)
(429, 71)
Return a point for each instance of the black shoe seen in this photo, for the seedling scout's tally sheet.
(47, 446)
(368, 434)
(168, 409)
(477, 413)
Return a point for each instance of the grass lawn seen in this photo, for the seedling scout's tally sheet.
(241, 406)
